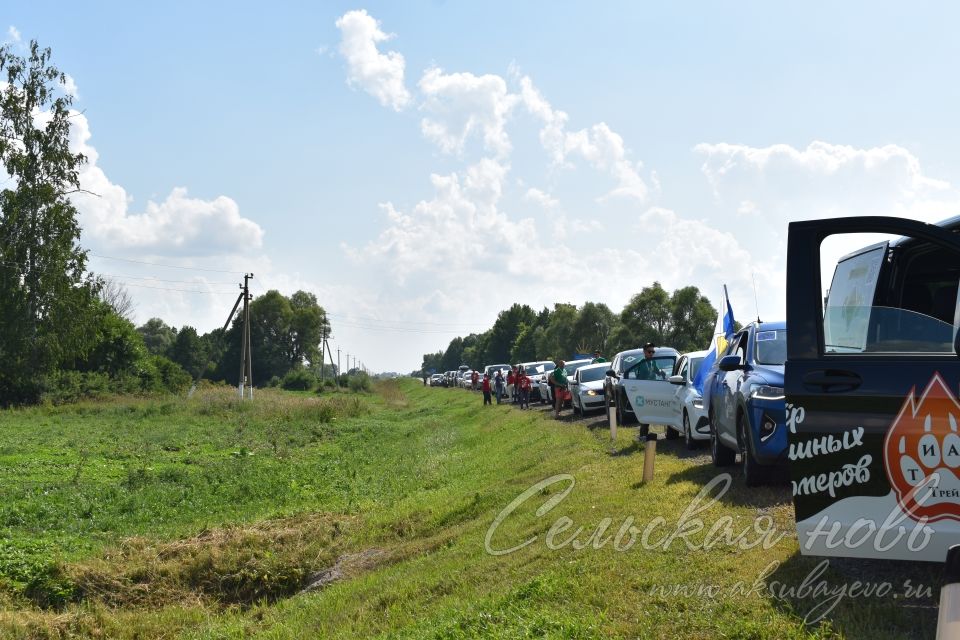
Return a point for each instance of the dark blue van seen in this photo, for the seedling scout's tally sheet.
(872, 379)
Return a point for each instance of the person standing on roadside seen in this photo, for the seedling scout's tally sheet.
(559, 378)
(475, 378)
(511, 382)
(524, 385)
(486, 389)
(498, 385)
(598, 357)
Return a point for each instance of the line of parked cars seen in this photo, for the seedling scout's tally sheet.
(740, 410)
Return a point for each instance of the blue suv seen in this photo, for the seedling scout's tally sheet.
(745, 402)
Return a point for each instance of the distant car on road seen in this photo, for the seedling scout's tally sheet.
(746, 406)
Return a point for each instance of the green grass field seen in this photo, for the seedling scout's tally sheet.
(205, 518)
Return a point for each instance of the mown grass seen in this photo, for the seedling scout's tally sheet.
(205, 518)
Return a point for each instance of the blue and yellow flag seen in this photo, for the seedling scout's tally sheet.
(722, 334)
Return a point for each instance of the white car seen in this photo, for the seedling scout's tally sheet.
(693, 423)
(537, 371)
(671, 400)
(546, 391)
(586, 387)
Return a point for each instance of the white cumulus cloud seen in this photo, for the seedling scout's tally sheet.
(821, 180)
(379, 74)
(599, 145)
(178, 224)
(541, 198)
(459, 104)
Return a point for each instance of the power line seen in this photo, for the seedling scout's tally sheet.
(168, 266)
(146, 286)
(155, 279)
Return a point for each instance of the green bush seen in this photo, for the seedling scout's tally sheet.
(298, 380)
(64, 387)
(171, 376)
(273, 382)
(359, 382)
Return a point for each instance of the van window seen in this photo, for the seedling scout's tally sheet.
(850, 299)
(896, 298)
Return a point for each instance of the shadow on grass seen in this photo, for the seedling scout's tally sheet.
(858, 597)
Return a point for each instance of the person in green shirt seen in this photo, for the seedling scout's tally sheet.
(648, 369)
(559, 378)
(598, 358)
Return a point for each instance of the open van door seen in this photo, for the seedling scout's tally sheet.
(872, 380)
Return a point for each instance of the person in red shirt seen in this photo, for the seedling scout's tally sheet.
(486, 390)
(524, 385)
(475, 378)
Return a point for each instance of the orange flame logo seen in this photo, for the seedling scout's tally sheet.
(922, 453)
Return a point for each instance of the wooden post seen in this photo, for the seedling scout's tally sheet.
(649, 455)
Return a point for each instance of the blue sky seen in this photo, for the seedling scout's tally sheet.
(242, 136)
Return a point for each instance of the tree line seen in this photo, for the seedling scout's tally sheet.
(683, 319)
(64, 331)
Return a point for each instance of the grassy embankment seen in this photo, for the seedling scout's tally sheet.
(206, 517)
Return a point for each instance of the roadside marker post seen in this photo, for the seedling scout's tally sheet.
(649, 455)
(612, 415)
(948, 620)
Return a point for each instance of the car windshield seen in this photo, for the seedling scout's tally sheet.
(592, 375)
(771, 346)
(534, 369)
(656, 368)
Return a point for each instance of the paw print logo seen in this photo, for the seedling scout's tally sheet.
(922, 453)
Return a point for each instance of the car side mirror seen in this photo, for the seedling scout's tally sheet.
(574, 382)
(677, 380)
(730, 363)
(611, 373)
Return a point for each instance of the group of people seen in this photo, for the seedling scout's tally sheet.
(515, 386)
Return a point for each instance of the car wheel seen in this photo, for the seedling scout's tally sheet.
(754, 474)
(688, 433)
(721, 455)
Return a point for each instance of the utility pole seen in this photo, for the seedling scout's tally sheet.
(323, 346)
(338, 365)
(246, 359)
(246, 367)
(348, 363)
